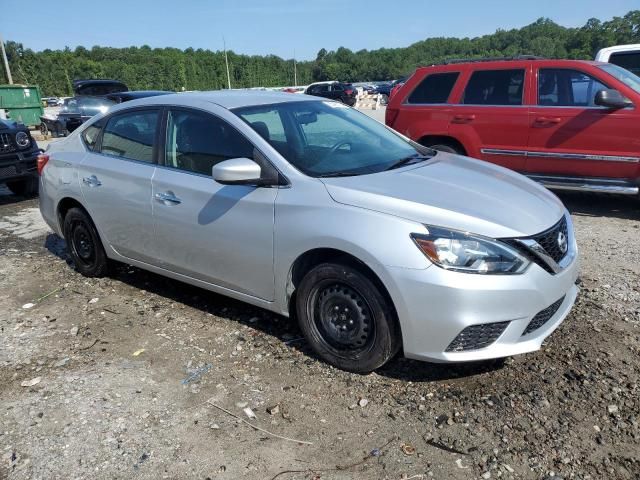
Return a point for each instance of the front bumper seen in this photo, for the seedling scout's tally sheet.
(435, 305)
(18, 164)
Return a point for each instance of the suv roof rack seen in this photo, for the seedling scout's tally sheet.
(491, 59)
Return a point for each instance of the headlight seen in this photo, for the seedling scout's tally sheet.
(467, 253)
(22, 139)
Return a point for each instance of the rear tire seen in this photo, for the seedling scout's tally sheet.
(84, 245)
(346, 319)
(441, 147)
(25, 187)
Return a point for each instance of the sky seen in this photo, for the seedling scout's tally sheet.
(281, 27)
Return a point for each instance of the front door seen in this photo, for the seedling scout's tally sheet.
(492, 115)
(572, 136)
(220, 234)
(116, 182)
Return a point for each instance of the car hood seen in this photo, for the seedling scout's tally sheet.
(455, 192)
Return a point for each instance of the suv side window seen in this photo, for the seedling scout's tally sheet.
(559, 87)
(336, 87)
(196, 141)
(91, 133)
(495, 87)
(434, 88)
(131, 135)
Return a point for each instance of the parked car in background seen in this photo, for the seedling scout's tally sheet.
(572, 125)
(119, 97)
(18, 155)
(396, 84)
(303, 205)
(52, 101)
(383, 88)
(343, 92)
(626, 56)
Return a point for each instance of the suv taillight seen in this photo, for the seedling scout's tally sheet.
(390, 116)
(43, 158)
(348, 91)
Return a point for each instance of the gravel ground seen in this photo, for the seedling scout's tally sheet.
(117, 377)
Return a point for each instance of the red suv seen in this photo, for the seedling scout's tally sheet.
(569, 124)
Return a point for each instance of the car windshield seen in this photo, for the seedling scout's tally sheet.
(326, 139)
(625, 76)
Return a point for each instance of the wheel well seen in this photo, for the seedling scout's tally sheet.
(64, 206)
(429, 140)
(308, 260)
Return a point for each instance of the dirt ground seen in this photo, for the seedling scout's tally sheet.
(121, 375)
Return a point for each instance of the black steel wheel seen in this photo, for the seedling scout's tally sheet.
(84, 245)
(346, 318)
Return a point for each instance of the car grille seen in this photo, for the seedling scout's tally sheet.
(8, 171)
(542, 317)
(6, 143)
(549, 240)
(476, 337)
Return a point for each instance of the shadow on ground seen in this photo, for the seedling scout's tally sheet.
(284, 329)
(626, 207)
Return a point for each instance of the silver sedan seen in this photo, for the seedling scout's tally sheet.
(308, 208)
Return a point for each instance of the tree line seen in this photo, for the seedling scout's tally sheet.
(143, 68)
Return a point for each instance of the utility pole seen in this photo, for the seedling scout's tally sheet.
(226, 61)
(295, 71)
(6, 62)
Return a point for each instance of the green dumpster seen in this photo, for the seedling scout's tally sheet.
(23, 103)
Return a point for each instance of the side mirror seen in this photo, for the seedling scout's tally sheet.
(611, 98)
(237, 171)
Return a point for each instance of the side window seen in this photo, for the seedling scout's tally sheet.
(628, 60)
(197, 141)
(336, 87)
(130, 135)
(434, 88)
(495, 87)
(559, 87)
(91, 133)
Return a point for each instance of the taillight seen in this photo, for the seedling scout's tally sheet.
(43, 158)
(348, 91)
(390, 116)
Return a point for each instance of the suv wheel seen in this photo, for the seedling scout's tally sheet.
(445, 148)
(83, 244)
(346, 319)
(25, 187)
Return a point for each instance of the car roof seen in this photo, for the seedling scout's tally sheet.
(486, 64)
(228, 99)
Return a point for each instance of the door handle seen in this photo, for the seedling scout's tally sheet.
(463, 118)
(168, 198)
(92, 181)
(542, 121)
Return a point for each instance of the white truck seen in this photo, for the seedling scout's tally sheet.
(626, 56)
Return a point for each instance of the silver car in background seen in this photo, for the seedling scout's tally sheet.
(308, 208)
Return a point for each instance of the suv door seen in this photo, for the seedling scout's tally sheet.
(220, 234)
(115, 178)
(492, 115)
(571, 135)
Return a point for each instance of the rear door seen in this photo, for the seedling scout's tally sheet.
(116, 182)
(220, 234)
(571, 135)
(491, 117)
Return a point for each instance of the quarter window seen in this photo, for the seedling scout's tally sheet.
(197, 141)
(567, 88)
(434, 88)
(91, 133)
(130, 135)
(628, 60)
(495, 87)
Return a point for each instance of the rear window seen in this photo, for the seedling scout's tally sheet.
(434, 88)
(495, 87)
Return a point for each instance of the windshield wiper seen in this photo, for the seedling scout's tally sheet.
(338, 174)
(411, 159)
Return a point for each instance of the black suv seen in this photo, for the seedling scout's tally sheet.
(343, 92)
(18, 158)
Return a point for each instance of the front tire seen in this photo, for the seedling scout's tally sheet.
(445, 148)
(84, 245)
(346, 318)
(25, 187)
